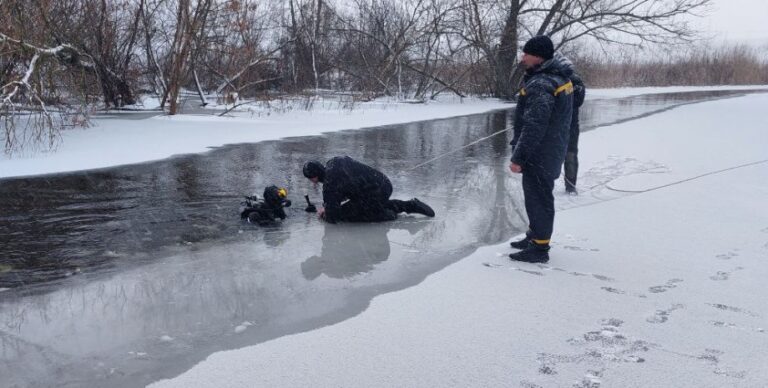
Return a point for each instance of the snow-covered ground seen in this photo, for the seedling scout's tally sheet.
(595, 94)
(122, 140)
(656, 279)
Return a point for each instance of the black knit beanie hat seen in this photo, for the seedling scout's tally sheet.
(314, 169)
(540, 46)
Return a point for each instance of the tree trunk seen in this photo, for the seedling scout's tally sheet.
(506, 56)
(315, 33)
(177, 50)
(203, 101)
(516, 76)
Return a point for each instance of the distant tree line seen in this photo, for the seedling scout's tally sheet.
(58, 57)
(725, 65)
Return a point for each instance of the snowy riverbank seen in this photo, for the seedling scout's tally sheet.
(597, 94)
(656, 279)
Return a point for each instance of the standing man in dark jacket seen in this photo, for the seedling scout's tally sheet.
(571, 167)
(542, 125)
(355, 192)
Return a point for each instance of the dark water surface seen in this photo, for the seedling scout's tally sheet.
(122, 276)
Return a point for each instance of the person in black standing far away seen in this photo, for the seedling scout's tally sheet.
(355, 192)
(542, 125)
(571, 166)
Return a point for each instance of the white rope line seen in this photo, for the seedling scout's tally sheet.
(608, 185)
(658, 187)
(457, 149)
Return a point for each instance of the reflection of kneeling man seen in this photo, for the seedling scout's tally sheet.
(349, 251)
(355, 192)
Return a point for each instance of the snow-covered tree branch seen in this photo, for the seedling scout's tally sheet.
(26, 116)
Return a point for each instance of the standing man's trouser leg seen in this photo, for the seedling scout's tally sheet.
(571, 170)
(571, 165)
(539, 205)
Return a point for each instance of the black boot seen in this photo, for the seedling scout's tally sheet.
(533, 253)
(418, 207)
(522, 243)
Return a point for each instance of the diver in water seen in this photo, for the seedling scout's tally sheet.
(264, 211)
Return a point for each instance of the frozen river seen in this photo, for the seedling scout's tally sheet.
(122, 276)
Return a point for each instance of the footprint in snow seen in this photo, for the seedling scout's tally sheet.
(592, 379)
(712, 356)
(621, 292)
(734, 326)
(600, 348)
(723, 275)
(727, 256)
(613, 290)
(672, 283)
(733, 309)
(662, 316)
(580, 249)
(496, 265)
(574, 273)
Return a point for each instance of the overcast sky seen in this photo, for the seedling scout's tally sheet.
(737, 20)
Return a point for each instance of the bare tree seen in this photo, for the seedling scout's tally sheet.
(105, 30)
(189, 32)
(59, 54)
(307, 25)
(397, 47)
(151, 18)
(243, 50)
(605, 22)
(27, 116)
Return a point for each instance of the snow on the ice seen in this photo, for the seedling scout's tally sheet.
(166, 338)
(242, 327)
(595, 94)
(629, 297)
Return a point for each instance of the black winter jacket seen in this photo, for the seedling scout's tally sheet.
(579, 94)
(543, 118)
(348, 179)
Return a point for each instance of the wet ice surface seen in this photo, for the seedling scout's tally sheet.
(126, 275)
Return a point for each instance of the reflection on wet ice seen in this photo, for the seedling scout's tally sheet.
(352, 250)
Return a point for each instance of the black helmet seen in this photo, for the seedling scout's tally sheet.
(275, 196)
(314, 169)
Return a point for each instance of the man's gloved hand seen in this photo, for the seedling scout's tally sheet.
(310, 206)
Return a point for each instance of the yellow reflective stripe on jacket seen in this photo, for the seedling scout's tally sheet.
(567, 88)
